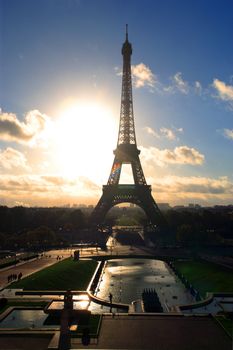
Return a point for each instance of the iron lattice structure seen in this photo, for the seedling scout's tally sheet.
(127, 152)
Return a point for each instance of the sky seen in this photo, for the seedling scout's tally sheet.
(60, 95)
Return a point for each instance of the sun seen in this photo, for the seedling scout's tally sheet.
(85, 136)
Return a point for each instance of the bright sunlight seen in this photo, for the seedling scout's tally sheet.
(85, 136)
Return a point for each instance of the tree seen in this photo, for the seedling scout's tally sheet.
(184, 234)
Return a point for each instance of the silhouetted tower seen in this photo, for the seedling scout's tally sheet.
(127, 152)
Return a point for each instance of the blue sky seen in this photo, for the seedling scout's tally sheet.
(60, 87)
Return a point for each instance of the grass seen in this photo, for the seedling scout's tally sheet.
(226, 323)
(66, 274)
(92, 325)
(85, 321)
(206, 277)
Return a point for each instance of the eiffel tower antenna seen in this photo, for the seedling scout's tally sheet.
(127, 152)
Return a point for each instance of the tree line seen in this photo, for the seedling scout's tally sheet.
(22, 227)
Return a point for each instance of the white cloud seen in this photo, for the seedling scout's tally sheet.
(178, 84)
(179, 129)
(151, 131)
(198, 87)
(12, 129)
(12, 159)
(142, 76)
(118, 71)
(170, 134)
(225, 92)
(228, 133)
(179, 155)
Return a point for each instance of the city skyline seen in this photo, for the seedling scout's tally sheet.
(60, 99)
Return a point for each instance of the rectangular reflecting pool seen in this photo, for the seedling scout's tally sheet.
(126, 279)
(24, 319)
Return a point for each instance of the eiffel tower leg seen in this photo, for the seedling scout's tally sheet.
(138, 175)
(151, 209)
(136, 194)
(115, 172)
(101, 209)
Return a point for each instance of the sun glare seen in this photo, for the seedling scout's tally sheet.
(85, 136)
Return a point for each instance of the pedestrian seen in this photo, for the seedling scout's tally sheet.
(110, 298)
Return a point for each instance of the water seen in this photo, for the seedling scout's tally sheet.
(24, 319)
(80, 302)
(127, 278)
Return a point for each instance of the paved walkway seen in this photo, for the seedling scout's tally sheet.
(50, 258)
(159, 333)
(24, 342)
(32, 266)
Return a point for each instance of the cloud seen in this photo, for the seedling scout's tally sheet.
(81, 181)
(228, 133)
(193, 189)
(170, 134)
(21, 204)
(34, 189)
(88, 184)
(225, 92)
(178, 84)
(151, 131)
(180, 155)
(42, 184)
(12, 129)
(10, 158)
(194, 184)
(198, 87)
(142, 76)
(179, 129)
(56, 180)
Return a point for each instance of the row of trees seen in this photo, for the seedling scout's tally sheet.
(217, 219)
(43, 227)
(212, 226)
(40, 237)
(17, 219)
(32, 228)
(186, 227)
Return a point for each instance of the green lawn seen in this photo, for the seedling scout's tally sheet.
(90, 321)
(206, 277)
(66, 274)
(93, 325)
(226, 323)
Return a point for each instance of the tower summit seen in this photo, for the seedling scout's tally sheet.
(127, 152)
(126, 133)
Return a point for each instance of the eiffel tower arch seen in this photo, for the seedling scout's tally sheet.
(127, 152)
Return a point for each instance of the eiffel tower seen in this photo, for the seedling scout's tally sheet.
(127, 152)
